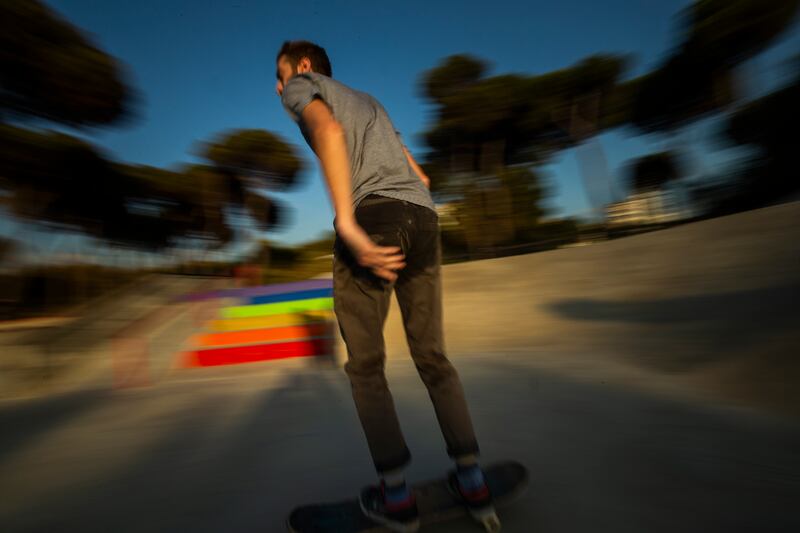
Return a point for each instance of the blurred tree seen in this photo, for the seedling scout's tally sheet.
(292, 263)
(701, 77)
(483, 124)
(61, 182)
(652, 172)
(50, 70)
(256, 155)
(698, 78)
(501, 212)
(489, 133)
(768, 124)
(7, 248)
(244, 165)
(456, 73)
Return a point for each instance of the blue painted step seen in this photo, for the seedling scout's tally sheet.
(290, 296)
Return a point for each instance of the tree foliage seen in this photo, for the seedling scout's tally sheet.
(698, 77)
(653, 171)
(61, 182)
(257, 155)
(7, 247)
(768, 124)
(50, 70)
(484, 123)
(489, 133)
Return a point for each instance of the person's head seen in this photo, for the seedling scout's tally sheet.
(298, 57)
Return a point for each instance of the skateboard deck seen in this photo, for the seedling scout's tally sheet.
(506, 481)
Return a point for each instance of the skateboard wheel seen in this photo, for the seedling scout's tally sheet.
(491, 523)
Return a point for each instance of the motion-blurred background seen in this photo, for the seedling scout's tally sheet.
(616, 182)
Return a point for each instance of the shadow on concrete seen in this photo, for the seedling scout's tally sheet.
(235, 456)
(700, 308)
(222, 463)
(710, 327)
(24, 420)
(606, 458)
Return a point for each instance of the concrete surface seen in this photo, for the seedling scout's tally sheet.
(647, 383)
(237, 450)
(83, 349)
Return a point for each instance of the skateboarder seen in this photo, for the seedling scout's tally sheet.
(387, 238)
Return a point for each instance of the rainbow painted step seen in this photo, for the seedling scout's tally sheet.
(281, 308)
(291, 296)
(273, 322)
(263, 290)
(262, 336)
(249, 354)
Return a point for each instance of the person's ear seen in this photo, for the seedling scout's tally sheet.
(304, 65)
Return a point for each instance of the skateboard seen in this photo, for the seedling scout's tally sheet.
(506, 481)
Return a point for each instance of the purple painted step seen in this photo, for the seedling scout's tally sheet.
(263, 290)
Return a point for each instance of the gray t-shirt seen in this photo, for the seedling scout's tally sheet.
(377, 162)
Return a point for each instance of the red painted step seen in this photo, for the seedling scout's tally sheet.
(260, 352)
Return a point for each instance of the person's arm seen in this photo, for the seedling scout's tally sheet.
(328, 142)
(418, 169)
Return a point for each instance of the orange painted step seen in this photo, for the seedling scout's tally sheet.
(255, 336)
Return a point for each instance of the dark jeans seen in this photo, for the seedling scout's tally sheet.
(361, 302)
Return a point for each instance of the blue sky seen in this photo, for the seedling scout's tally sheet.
(202, 67)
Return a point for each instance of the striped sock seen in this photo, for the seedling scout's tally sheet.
(397, 496)
(395, 489)
(470, 477)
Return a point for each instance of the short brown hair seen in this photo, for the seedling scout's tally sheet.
(296, 50)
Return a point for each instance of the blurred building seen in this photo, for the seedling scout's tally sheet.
(447, 214)
(660, 206)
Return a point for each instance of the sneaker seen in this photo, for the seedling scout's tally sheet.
(403, 517)
(478, 501)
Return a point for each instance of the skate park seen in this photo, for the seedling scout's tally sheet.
(197, 201)
(645, 382)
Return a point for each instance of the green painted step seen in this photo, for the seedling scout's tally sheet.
(297, 306)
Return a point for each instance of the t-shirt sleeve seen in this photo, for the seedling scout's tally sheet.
(298, 93)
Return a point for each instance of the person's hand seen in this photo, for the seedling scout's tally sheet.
(383, 261)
